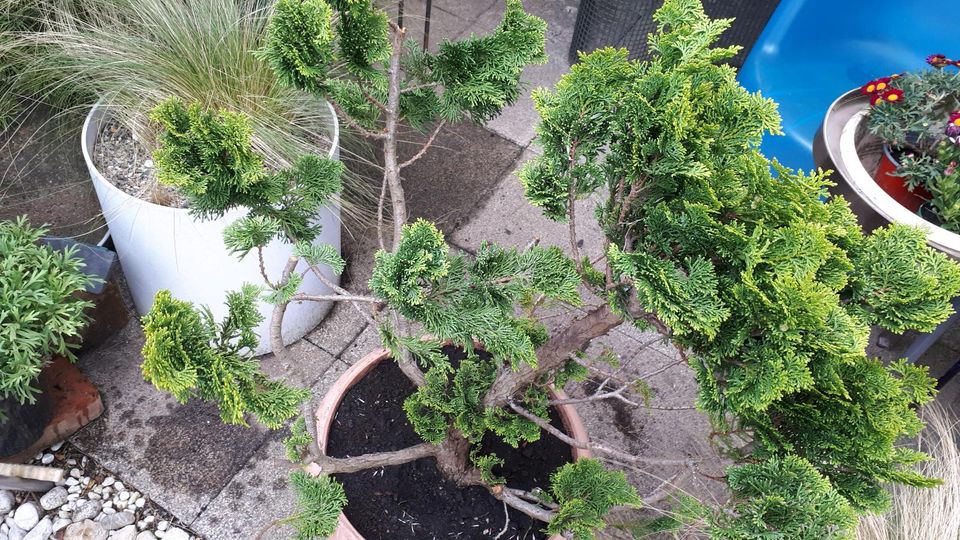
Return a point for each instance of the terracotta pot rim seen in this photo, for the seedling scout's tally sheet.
(330, 403)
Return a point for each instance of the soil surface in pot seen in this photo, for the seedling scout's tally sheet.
(413, 501)
(43, 176)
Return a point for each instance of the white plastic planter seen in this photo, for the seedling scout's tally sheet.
(166, 248)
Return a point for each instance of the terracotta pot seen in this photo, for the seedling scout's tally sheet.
(896, 186)
(327, 411)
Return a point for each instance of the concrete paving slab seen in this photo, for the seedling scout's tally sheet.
(259, 493)
(456, 175)
(181, 456)
(509, 219)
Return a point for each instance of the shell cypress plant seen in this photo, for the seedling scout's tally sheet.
(764, 283)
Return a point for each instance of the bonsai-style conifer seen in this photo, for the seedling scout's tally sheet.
(764, 283)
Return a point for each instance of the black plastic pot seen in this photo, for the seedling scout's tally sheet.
(24, 425)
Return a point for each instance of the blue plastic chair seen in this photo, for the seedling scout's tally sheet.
(811, 51)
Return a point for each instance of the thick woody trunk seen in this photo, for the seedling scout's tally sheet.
(453, 460)
(552, 354)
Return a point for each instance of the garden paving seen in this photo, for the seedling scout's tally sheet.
(227, 482)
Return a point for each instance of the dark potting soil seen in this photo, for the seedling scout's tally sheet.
(413, 501)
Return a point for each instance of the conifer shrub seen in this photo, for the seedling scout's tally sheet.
(765, 284)
(40, 314)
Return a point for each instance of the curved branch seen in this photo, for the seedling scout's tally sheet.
(599, 448)
(331, 465)
(426, 145)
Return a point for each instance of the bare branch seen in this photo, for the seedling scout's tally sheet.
(598, 395)
(426, 145)
(533, 510)
(276, 320)
(353, 123)
(332, 465)
(334, 298)
(506, 523)
(596, 447)
(373, 101)
(416, 87)
(343, 292)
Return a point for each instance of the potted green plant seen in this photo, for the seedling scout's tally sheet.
(767, 290)
(41, 316)
(901, 149)
(130, 56)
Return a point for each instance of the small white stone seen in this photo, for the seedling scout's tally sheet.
(141, 502)
(56, 447)
(71, 481)
(65, 514)
(120, 505)
(70, 506)
(73, 497)
(150, 519)
(27, 516)
(162, 526)
(55, 498)
(7, 501)
(108, 504)
(38, 457)
(108, 481)
(146, 535)
(46, 459)
(60, 523)
(75, 473)
(85, 480)
(94, 495)
(124, 496)
(159, 533)
(126, 533)
(41, 531)
(107, 510)
(148, 163)
(119, 486)
(177, 534)
(71, 461)
(76, 488)
(16, 533)
(87, 510)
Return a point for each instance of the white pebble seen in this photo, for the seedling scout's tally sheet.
(141, 502)
(71, 481)
(74, 488)
(94, 495)
(162, 526)
(119, 486)
(56, 447)
(159, 534)
(71, 461)
(124, 496)
(73, 496)
(108, 481)
(75, 473)
(26, 516)
(107, 510)
(46, 459)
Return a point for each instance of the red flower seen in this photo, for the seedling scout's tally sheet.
(891, 95)
(938, 60)
(868, 88)
(883, 83)
(954, 118)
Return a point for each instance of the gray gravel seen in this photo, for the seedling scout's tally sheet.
(125, 163)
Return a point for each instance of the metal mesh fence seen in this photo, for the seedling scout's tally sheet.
(626, 23)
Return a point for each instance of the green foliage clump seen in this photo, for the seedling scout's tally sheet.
(476, 77)
(320, 499)
(899, 283)
(784, 499)
(210, 158)
(460, 300)
(187, 353)
(295, 446)
(40, 312)
(585, 491)
(767, 281)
